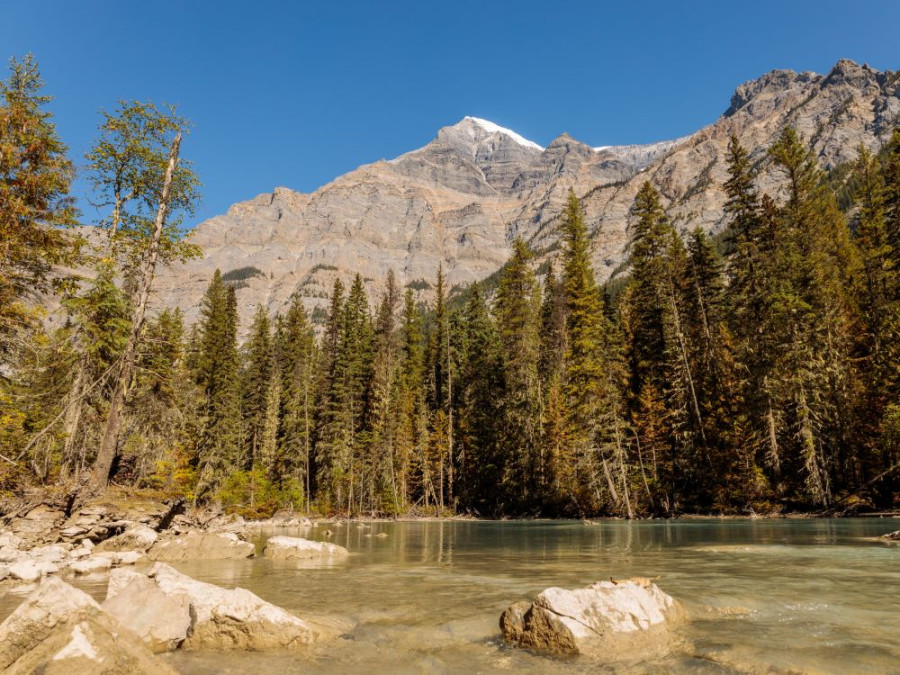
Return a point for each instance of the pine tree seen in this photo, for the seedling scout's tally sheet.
(814, 307)
(341, 447)
(35, 176)
(256, 385)
(518, 313)
(755, 237)
(412, 410)
(384, 485)
(441, 390)
(722, 471)
(298, 357)
(879, 294)
(600, 472)
(220, 447)
(487, 480)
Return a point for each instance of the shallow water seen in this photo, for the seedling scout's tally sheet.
(762, 595)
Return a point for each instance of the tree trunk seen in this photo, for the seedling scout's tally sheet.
(107, 453)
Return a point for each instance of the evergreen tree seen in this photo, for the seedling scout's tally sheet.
(383, 488)
(35, 176)
(487, 476)
(412, 410)
(817, 316)
(256, 385)
(518, 313)
(220, 448)
(297, 369)
(599, 475)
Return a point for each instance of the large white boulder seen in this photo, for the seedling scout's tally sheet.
(295, 548)
(609, 618)
(60, 630)
(196, 545)
(161, 620)
(234, 619)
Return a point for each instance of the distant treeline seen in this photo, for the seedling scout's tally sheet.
(763, 378)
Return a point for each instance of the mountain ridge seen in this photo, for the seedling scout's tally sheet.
(461, 199)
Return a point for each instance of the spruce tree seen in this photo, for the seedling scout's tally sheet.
(412, 408)
(256, 384)
(817, 262)
(517, 311)
(598, 477)
(297, 369)
(35, 176)
(220, 447)
(488, 479)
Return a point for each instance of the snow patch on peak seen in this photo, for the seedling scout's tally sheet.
(492, 128)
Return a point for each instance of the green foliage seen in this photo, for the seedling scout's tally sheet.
(418, 285)
(242, 274)
(127, 167)
(35, 176)
(252, 494)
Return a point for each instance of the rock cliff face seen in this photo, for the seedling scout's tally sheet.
(462, 199)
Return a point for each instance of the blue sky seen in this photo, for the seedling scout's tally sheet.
(297, 93)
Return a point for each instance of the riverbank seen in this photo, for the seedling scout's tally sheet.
(763, 595)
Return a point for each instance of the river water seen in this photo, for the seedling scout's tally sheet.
(813, 595)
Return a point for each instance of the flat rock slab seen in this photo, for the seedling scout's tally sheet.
(295, 548)
(607, 619)
(201, 546)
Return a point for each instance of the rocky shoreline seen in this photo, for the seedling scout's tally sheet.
(154, 608)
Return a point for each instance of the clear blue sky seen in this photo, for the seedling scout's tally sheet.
(297, 93)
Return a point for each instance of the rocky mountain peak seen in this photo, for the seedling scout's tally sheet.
(851, 73)
(461, 199)
(773, 82)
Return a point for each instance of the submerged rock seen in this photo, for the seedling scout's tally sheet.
(608, 619)
(61, 630)
(295, 548)
(195, 545)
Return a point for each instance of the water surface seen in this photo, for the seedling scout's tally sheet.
(762, 595)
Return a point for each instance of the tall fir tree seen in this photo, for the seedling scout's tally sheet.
(518, 315)
(220, 446)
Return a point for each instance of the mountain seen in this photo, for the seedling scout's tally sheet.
(460, 200)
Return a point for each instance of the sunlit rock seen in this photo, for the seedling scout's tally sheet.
(60, 630)
(236, 618)
(607, 619)
(295, 548)
(161, 620)
(202, 546)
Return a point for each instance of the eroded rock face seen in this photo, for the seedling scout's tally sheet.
(295, 548)
(61, 630)
(606, 619)
(461, 199)
(196, 545)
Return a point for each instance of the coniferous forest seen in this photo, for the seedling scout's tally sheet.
(756, 370)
